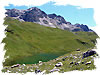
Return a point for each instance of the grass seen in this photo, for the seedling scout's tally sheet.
(31, 42)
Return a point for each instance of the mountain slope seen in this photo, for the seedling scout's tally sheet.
(28, 42)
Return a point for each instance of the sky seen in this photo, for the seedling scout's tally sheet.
(71, 13)
(93, 5)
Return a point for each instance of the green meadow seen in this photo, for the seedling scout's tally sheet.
(29, 43)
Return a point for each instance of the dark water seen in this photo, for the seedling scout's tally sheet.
(36, 58)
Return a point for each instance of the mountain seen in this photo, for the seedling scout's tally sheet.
(33, 36)
(38, 16)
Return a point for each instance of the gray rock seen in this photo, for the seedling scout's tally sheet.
(88, 63)
(59, 64)
(54, 70)
(78, 49)
(76, 63)
(88, 53)
(34, 14)
(17, 65)
(71, 63)
(64, 58)
(37, 71)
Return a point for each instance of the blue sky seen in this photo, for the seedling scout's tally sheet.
(70, 13)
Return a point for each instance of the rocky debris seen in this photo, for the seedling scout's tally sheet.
(59, 64)
(71, 63)
(88, 66)
(8, 71)
(78, 49)
(31, 70)
(23, 65)
(64, 58)
(37, 71)
(80, 56)
(88, 53)
(56, 59)
(76, 63)
(88, 63)
(79, 61)
(54, 70)
(40, 63)
(83, 27)
(5, 68)
(74, 57)
(17, 65)
(81, 69)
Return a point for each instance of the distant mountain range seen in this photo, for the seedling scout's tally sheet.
(36, 15)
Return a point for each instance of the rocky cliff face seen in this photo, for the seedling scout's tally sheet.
(36, 15)
(33, 15)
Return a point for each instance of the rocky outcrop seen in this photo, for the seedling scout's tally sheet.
(14, 12)
(59, 64)
(88, 53)
(33, 15)
(60, 19)
(36, 15)
(83, 27)
(37, 71)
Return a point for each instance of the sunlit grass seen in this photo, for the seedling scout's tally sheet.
(31, 42)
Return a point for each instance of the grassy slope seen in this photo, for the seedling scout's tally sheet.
(33, 42)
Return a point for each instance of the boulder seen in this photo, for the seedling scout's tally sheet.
(37, 71)
(76, 63)
(88, 53)
(64, 58)
(88, 63)
(71, 63)
(78, 49)
(54, 70)
(59, 64)
(17, 65)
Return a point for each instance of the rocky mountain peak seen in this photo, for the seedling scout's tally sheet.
(52, 15)
(33, 8)
(14, 12)
(36, 15)
(57, 17)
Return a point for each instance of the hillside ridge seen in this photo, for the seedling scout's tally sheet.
(38, 16)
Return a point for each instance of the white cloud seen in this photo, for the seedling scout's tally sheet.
(26, 2)
(82, 3)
